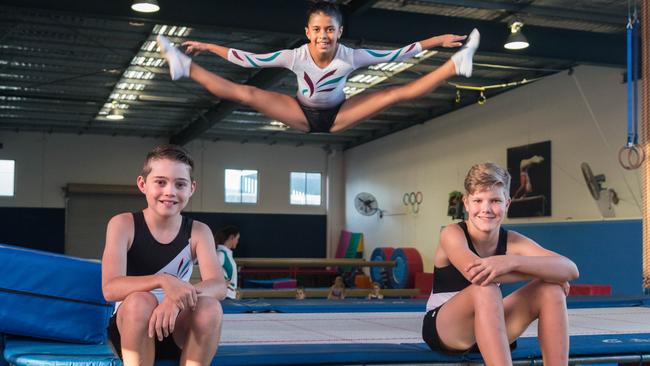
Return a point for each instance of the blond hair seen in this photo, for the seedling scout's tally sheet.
(485, 176)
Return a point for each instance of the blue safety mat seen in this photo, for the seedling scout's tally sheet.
(3, 362)
(24, 352)
(582, 302)
(51, 296)
(322, 306)
(392, 305)
(267, 283)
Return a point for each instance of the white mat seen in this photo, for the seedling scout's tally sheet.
(275, 328)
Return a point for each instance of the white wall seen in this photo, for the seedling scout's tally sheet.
(45, 163)
(434, 157)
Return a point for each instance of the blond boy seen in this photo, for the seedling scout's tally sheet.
(466, 311)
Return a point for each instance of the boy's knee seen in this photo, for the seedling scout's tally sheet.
(550, 291)
(487, 292)
(207, 315)
(138, 307)
(489, 289)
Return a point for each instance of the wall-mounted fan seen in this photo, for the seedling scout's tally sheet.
(604, 197)
(366, 204)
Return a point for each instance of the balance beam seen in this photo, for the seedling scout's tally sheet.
(322, 293)
(310, 262)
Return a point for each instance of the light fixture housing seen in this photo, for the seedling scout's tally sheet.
(115, 115)
(516, 40)
(145, 6)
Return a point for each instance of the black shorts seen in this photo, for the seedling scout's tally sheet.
(431, 338)
(320, 120)
(167, 349)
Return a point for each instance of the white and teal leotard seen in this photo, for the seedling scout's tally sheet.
(322, 88)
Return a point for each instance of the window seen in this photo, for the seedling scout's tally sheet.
(305, 188)
(241, 186)
(7, 168)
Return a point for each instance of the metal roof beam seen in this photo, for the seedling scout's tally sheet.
(374, 25)
(527, 7)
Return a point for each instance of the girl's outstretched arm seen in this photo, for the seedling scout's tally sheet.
(282, 58)
(195, 48)
(365, 57)
(444, 40)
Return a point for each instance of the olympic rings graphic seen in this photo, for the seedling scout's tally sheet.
(635, 156)
(414, 200)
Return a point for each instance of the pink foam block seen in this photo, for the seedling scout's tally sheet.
(344, 242)
(590, 290)
(288, 283)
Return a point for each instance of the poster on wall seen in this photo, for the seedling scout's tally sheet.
(530, 189)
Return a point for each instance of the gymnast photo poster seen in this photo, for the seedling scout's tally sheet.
(530, 188)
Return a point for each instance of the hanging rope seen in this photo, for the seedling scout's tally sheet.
(631, 155)
(645, 134)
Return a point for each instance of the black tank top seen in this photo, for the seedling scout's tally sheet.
(147, 256)
(449, 279)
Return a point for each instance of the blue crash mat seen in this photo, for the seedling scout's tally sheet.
(285, 283)
(322, 306)
(352, 305)
(51, 296)
(22, 352)
(29, 352)
(3, 362)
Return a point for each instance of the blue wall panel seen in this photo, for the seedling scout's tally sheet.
(273, 235)
(606, 252)
(262, 235)
(34, 228)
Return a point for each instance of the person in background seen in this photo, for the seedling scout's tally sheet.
(375, 292)
(227, 241)
(337, 291)
(300, 293)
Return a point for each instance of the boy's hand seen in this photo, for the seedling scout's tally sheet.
(483, 271)
(163, 319)
(182, 294)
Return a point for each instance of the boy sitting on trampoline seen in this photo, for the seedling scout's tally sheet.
(146, 268)
(322, 67)
(466, 311)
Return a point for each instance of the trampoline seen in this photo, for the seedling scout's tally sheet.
(255, 333)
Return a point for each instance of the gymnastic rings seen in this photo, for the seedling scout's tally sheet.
(631, 156)
(414, 200)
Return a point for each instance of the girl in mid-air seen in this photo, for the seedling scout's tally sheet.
(322, 67)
